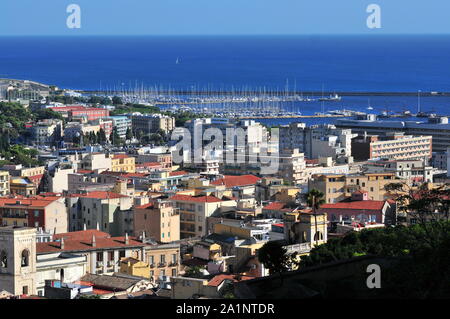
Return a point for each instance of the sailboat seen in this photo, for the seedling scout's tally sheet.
(178, 61)
(369, 107)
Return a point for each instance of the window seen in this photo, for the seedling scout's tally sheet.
(174, 272)
(163, 258)
(174, 258)
(36, 213)
(25, 290)
(3, 259)
(151, 260)
(25, 258)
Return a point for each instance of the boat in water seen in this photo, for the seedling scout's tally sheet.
(332, 97)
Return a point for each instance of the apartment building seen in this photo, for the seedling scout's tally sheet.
(4, 183)
(438, 128)
(151, 123)
(165, 159)
(47, 131)
(394, 146)
(76, 130)
(102, 210)
(123, 163)
(46, 212)
(415, 171)
(339, 187)
(164, 260)
(96, 162)
(103, 252)
(20, 171)
(122, 124)
(194, 210)
(317, 141)
(158, 220)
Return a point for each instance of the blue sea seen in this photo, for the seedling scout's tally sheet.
(304, 63)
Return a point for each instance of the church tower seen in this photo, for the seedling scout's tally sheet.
(18, 260)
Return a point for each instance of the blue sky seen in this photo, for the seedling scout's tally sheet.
(225, 17)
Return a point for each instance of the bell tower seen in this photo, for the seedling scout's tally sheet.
(301, 228)
(18, 260)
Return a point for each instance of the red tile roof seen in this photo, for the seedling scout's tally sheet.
(202, 199)
(238, 180)
(217, 280)
(85, 171)
(275, 206)
(86, 245)
(146, 206)
(118, 156)
(357, 205)
(178, 173)
(149, 164)
(22, 202)
(100, 195)
(82, 235)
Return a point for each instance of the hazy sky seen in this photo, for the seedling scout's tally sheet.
(213, 17)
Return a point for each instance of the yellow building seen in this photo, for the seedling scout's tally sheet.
(135, 267)
(22, 186)
(123, 163)
(338, 187)
(287, 194)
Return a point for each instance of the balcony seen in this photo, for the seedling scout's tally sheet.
(162, 264)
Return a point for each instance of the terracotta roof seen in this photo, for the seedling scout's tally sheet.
(275, 206)
(82, 235)
(22, 202)
(86, 245)
(149, 164)
(118, 156)
(178, 173)
(100, 195)
(357, 205)
(217, 280)
(85, 171)
(202, 199)
(149, 205)
(236, 180)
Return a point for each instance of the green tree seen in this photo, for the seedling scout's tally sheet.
(129, 134)
(275, 257)
(194, 272)
(43, 114)
(315, 199)
(115, 137)
(102, 136)
(117, 100)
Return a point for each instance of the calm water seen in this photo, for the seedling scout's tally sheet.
(340, 63)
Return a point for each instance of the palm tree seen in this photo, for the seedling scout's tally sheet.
(315, 199)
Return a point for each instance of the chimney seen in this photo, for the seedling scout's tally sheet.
(98, 226)
(143, 236)
(94, 243)
(62, 242)
(84, 226)
(127, 241)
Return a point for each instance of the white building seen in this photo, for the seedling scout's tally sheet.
(122, 124)
(318, 141)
